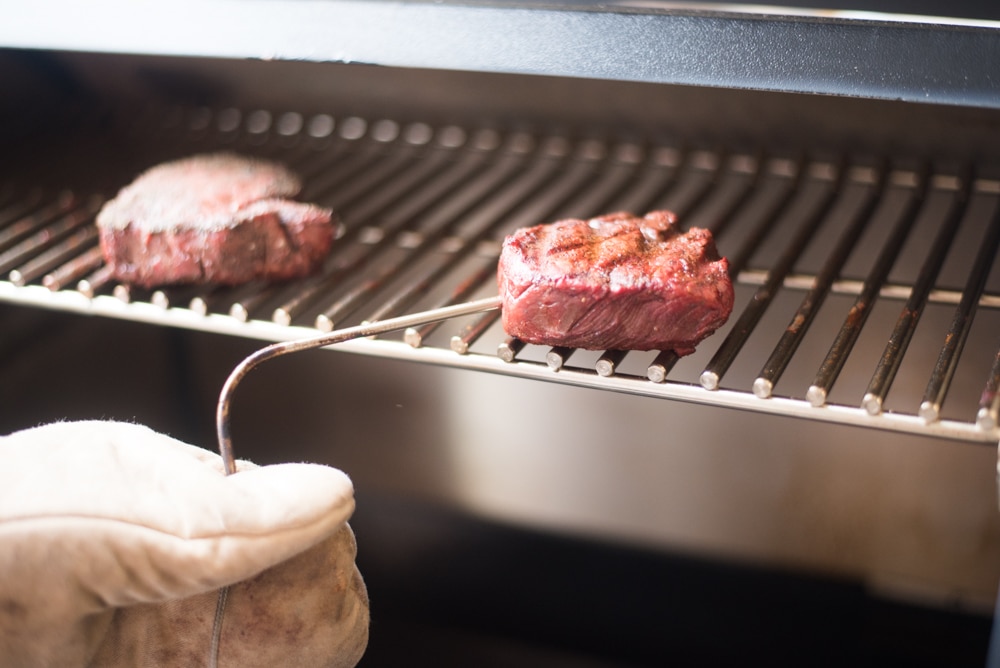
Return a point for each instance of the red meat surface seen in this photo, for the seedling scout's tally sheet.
(213, 218)
(615, 282)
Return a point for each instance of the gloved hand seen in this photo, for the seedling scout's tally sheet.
(114, 542)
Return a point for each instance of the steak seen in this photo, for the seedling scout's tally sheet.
(213, 218)
(616, 282)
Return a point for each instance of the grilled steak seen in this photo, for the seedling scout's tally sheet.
(617, 282)
(213, 218)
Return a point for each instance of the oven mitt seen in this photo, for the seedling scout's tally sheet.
(115, 540)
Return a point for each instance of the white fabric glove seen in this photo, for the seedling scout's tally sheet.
(114, 541)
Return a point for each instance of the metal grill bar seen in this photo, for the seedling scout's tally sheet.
(346, 266)
(424, 209)
(478, 189)
(54, 256)
(451, 250)
(792, 336)
(659, 369)
(794, 173)
(415, 335)
(343, 187)
(95, 282)
(47, 235)
(831, 367)
(73, 270)
(988, 416)
(460, 342)
(892, 356)
(24, 220)
(944, 370)
(721, 362)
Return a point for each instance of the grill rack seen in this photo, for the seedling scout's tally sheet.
(816, 244)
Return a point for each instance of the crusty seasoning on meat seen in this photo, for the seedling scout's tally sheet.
(213, 218)
(616, 282)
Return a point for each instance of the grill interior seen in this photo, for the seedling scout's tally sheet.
(866, 287)
(847, 164)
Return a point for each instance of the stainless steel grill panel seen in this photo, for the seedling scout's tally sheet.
(822, 249)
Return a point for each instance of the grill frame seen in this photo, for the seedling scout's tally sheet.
(871, 55)
(468, 230)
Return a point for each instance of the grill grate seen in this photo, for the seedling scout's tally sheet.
(867, 289)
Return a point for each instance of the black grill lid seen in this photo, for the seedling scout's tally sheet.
(738, 46)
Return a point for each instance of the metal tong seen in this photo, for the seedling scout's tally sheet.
(337, 336)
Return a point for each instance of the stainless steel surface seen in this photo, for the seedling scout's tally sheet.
(224, 407)
(424, 209)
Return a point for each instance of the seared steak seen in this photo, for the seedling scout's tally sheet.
(616, 282)
(213, 218)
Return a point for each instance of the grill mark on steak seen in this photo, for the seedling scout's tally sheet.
(616, 282)
(567, 246)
